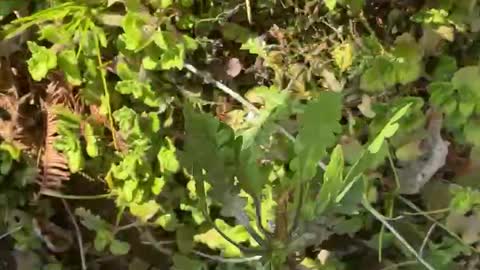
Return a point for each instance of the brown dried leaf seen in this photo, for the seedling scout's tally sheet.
(234, 67)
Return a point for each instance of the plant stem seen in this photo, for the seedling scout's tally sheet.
(427, 216)
(400, 238)
(11, 232)
(258, 214)
(78, 233)
(396, 266)
(226, 260)
(56, 194)
(106, 92)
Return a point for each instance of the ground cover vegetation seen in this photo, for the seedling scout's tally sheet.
(240, 134)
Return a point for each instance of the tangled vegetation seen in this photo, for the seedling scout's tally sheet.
(240, 134)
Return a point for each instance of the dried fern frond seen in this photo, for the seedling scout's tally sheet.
(53, 164)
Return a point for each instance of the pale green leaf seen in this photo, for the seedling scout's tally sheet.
(167, 157)
(333, 181)
(467, 79)
(42, 61)
(255, 45)
(158, 184)
(145, 211)
(67, 61)
(118, 247)
(331, 4)
(132, 26)
(214, 240)
(389, 130)
(168, 221)
(91, 140)
(102, 239)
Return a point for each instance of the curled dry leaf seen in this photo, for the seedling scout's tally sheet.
(234, 67)
(418, 172)
(366, 107)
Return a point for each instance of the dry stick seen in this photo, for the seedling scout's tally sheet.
(11, 232)
(226, 260)
(56, 194)
(425, 240)
(78, 233)
(396, 266)
(400, 238)
(427, 216)
(209, 79)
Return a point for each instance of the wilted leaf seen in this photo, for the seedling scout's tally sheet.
(366, 107)
(234, 67)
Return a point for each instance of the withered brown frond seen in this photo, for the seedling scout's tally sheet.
(53, 164)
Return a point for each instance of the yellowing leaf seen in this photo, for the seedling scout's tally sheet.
(214, 240)
(167, 158)
(144, 211)
(343, 55)
(331, 4)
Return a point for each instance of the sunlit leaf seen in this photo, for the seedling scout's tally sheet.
(42, 61)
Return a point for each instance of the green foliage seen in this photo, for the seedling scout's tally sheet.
(103, 233)
(214, 240)
(230, 166)
(314, 139)
(456, 98)
(403, 65)
(42, 60)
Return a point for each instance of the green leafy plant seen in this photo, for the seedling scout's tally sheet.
(240, 134)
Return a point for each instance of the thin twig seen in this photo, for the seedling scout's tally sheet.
(77, 232)
(427, 216)
(166, 242)
(209, 79)
(422, 213)
(258, 214)
(128, 226)
(226, 260)
(400, 238)
(248, 7)
(11, 232)
(56, 194)
(396, 266)
(425, 240)
(156, 244)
